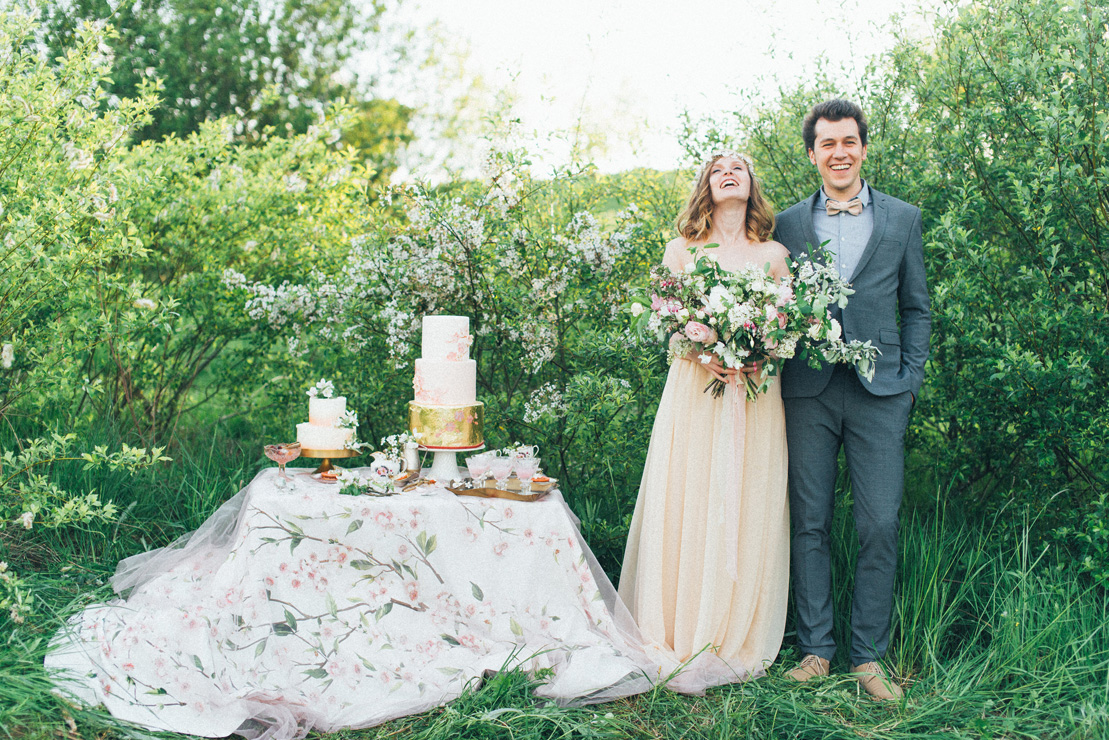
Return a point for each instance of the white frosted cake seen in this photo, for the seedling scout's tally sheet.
(320, 432)
(446, 411)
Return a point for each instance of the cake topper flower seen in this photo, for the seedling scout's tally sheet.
(322, 389)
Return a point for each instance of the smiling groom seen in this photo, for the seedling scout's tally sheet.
(876, 244)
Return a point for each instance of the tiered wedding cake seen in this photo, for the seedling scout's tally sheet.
(446, 412)
(322, 432)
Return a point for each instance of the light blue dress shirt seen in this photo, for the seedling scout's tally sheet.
(846, 235)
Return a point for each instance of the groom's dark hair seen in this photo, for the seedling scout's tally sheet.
(833, 110)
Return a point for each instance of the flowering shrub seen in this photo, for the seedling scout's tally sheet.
(542, 269)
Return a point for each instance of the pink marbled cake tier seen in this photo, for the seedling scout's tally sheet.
(445, 383)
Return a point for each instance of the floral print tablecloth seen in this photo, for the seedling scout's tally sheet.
(314, 610)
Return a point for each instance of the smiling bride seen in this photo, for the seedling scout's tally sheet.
(706, 622)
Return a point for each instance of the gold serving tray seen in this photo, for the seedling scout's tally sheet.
(513, 492)
(498, 493)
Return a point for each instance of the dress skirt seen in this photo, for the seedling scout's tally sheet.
(706, 568)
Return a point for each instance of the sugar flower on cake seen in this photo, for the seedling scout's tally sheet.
(322, 389)
(462, 340)
(347, 420)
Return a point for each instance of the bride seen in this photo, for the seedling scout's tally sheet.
(706, 565)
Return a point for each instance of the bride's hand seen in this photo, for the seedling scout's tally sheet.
(714, 367)
(751, 368)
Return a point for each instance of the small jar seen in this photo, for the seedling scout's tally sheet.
(412, 456)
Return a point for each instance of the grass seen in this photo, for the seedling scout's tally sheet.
(995, 636)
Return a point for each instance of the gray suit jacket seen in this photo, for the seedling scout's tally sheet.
(890, 306)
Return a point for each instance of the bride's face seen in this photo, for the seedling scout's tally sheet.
(729, 180)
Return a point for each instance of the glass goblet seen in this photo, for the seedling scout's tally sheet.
(526, 468)
(478, 466)
(501, 468)
(282, 454)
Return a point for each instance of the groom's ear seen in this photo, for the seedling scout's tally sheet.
(812, 156)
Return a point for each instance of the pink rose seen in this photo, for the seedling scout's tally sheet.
(698, 332)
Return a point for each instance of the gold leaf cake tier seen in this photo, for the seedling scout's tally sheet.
(447, 427)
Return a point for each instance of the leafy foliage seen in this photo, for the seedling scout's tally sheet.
(997, 128)
(275, 67)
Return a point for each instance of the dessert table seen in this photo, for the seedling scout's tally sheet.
(290, 611)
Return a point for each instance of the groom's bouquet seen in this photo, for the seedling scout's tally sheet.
(748, 316)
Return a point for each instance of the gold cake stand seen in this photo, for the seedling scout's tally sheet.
(326, 456)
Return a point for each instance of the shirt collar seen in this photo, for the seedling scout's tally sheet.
(864, 196)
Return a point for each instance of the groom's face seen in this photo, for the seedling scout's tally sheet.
(838, 154)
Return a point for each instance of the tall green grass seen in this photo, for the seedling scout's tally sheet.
(994, 637)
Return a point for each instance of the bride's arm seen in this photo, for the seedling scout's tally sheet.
(676, 250)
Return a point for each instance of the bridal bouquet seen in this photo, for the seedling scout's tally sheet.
(748, 316)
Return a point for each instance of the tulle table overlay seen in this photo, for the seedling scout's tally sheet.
(291, 611)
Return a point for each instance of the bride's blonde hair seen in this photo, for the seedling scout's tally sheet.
(695, 221)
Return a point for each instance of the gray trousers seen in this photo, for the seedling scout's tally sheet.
(871, 430)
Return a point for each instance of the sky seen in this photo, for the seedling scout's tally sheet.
(627, 69)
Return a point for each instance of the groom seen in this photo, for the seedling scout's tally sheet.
(875, 241)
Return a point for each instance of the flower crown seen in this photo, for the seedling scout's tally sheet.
(716, 154)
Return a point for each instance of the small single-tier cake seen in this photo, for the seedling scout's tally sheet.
(322, 431)
(446, 412)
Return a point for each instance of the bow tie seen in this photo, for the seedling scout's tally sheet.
(853, 206)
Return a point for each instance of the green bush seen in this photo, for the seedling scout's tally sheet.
(542, 269)
(998, 128)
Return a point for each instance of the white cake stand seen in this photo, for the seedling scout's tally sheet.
(444, 466)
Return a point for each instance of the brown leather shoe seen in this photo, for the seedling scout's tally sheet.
(811, 667)
(872, 677)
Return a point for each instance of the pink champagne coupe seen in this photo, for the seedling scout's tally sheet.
(501, 468)
(526, 468)
(478, 466)
(281, 454)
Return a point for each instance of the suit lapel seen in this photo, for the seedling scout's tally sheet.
(881, 215)
(807, 226)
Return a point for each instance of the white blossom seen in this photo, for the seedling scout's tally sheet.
(546, 400)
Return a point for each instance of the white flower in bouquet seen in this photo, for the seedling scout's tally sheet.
(679, 347)
(719, 298)
(787, 348)
(740, 314)
(835, 331)
(322, 389)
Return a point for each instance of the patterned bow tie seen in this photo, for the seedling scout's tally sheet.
(853, 206)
